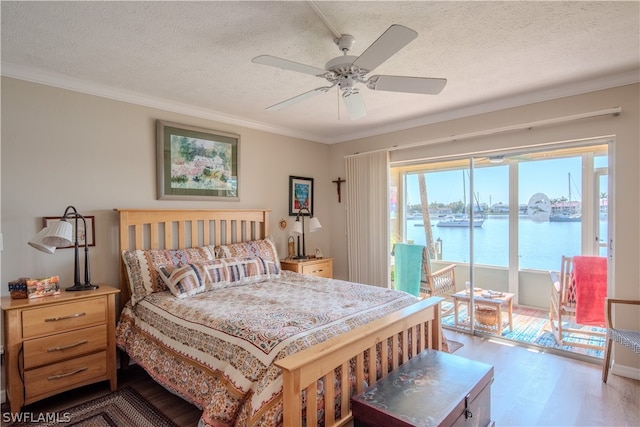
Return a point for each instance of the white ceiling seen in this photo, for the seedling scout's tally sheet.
(195, 57)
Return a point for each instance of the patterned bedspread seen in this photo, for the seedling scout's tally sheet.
(217, 349)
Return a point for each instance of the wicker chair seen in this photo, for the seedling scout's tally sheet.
(626, 337)
(437, 283)
(562, 308)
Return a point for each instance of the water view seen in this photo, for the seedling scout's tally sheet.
(541, 244)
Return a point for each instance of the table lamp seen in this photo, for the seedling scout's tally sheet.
(298, 228)
(60, 233)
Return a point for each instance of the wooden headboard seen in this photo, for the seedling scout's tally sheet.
(178, 229)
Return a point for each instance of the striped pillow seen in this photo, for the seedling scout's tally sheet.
(246, 270)
(186, 280)
(217, 274)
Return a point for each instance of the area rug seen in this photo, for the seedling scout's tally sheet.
(531, 326)
(122, 408)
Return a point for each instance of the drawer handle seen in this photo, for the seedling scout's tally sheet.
(71, 316)
(467, 411)
(68, 374)
(65, 347)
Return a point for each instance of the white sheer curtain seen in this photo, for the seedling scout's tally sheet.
(368, 218)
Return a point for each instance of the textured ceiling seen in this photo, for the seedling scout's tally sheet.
(195, 57)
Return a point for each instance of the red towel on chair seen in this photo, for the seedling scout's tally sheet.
(590, 275)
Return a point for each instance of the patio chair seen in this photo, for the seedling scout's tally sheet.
(436, 283)
(626, 337)
(440, 283)
(562, 310)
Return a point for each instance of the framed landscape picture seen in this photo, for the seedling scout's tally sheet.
(300, 195)
(196, 164)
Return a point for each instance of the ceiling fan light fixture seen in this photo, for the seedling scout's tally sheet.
(354, 103)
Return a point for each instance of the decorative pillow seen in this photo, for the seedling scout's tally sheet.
(265, 249)
(246, 270)
(217, 274)
(184, 281)
(142, 272)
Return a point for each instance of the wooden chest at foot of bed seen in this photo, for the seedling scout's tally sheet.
(432, 389)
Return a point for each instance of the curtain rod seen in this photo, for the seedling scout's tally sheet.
(615, 111)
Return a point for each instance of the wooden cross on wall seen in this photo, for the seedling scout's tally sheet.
(337, 183)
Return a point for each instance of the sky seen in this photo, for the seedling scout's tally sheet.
(550, 177)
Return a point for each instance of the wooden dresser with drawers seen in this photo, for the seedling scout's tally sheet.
(56, 343)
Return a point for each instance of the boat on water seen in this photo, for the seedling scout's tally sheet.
(569, 214)
(565, 217)
(460, 221)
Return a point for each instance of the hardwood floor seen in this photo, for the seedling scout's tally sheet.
(530, 388)
(536, 388)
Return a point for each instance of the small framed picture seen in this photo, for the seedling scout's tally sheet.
(89, 233)
(300, 195)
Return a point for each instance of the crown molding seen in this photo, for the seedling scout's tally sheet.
(546, 94)
(77, 85)
(525, 98)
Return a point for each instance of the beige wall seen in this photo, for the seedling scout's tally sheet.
(624, 171)
(64, 148)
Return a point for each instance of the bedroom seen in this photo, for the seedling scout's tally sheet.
(62, 147)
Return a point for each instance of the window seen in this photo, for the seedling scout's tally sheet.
(561, 206)
(541, 242)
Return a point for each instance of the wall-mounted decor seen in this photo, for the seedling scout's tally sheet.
(338, 182)
(300, 195)
(196, 164)
(89, 233)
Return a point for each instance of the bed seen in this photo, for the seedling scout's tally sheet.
(251, 344)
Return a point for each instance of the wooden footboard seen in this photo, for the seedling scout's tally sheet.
(408, 332)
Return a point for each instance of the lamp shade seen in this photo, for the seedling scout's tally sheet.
(297, 227)
(37, 242)
(314, 224)
(60, 233)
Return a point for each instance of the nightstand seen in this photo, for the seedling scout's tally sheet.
(57, 343)
(321, 267)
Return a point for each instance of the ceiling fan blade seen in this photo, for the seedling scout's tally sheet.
(298, 98)
(391, 41)
(355, 104)
(424, 85)
(285, 64)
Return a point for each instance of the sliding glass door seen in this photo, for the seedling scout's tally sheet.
(506, 219)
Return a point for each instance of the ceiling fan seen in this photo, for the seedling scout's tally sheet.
(347, 71)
